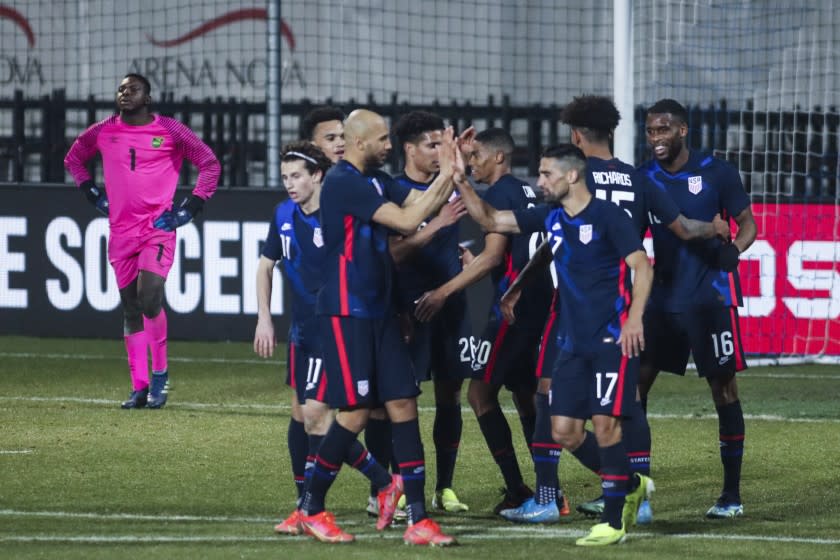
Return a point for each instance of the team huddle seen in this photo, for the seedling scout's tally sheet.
(578, 327)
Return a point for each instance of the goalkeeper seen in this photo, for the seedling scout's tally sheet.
(142, 155)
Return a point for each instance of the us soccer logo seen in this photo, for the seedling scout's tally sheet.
(586, 233)
(317, 237)
(695, 184)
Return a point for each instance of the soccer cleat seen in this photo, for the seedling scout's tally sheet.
(592, 508)
(137, 399)
(602, 534)
(427, 533)
(447, 500)
(387, 501)
(532, 512)
(157, 392)
(290, 525)
(513, 499)
(645, 515)
(725, 511)
(634, 499)
(565, 510)
(322, 526)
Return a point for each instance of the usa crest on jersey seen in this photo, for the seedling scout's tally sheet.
(695, 184)
(586, 233)
(317, 238)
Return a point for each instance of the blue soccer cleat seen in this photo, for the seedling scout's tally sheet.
(645, 514)
(723, 510)
(157, 390)
(592, 508)
(137, 399)
(532, 512)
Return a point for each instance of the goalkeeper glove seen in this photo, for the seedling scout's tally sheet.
(727, 257)
(95, 196)
(189, 208)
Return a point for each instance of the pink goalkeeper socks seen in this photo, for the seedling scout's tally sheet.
(156, 335)
(138, 363)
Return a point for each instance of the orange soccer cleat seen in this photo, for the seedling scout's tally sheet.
(290, 525)
(388, 498)
(322, 526)
(427, 533)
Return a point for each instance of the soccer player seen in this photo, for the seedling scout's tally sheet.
(505, 355)
(593, 119)
(596, 252)
(142, 155)
(366, 361)
(295, 240)
(425, 260)
(696, 294)
(324, 127)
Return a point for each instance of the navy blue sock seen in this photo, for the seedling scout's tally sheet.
(298, 443)
(731, 428)
(447, 437)
(588, 454)
(615, 477)
(378, 442)
(500, 442)
(528, 425)
(636, 433)
(408, 450)
(546, 454)
(362, 460)
(314, 446)
(327, 464)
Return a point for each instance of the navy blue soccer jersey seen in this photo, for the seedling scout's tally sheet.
(358, 270)
(685, 274)
(510, 193)
(431, 265)
(295, 240)
(618, 182)
(594, 282)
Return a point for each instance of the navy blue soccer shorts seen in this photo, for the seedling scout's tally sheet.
(596, 383)
(367, 363)
(711, 334)
(440, 349)
(305, 372)
(506, 355)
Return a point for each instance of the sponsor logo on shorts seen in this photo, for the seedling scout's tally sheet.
(605, 401)
(724, 359)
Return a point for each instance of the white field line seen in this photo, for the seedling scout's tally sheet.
(426, 409)
(481, 531)
(16, 451)
(282, 362)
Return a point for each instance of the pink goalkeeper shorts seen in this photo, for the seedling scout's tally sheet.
(153, 251)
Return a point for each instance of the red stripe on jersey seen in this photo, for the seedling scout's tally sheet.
(346, 374)
(549, 323)
(343, 293)
(491, 363)
(736, 339)
(292, 366)
(619, 387)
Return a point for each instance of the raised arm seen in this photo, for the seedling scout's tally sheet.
(498, 221)
(402, 247)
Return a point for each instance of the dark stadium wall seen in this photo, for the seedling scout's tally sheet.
(55, 279)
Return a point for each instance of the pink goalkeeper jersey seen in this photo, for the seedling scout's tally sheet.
(141, 166)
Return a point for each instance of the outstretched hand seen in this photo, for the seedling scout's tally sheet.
(446, 152)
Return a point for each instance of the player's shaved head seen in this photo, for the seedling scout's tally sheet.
(360, 123)
(368, 143)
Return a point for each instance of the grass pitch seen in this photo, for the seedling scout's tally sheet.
(207, 476)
